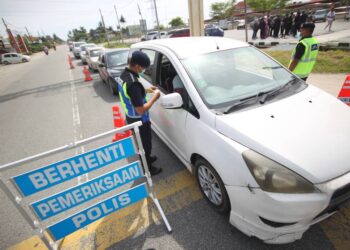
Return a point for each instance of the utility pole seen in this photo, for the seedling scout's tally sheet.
(120, 27)
(143, 26)
(245, 21)
(155, 7)
(104, 26)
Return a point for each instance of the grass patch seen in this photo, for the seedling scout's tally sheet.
(331, 61)
(113, 45)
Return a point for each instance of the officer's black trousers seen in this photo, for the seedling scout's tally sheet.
(146, 138)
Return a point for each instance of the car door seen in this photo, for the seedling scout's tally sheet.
(170, 124)
(14, 58)
(103, 70)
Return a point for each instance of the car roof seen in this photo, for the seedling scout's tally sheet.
(113, 50)
(185, 47)
(95, 48)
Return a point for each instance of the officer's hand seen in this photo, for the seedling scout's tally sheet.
(151, 89)
(156, 94)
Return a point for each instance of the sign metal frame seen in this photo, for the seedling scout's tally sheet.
(19, 200)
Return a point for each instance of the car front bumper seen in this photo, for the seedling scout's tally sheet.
(283, 218)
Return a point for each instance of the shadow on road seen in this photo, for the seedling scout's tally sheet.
(56, 87)
(102, 90)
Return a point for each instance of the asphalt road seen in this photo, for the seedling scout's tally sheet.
(44, 105)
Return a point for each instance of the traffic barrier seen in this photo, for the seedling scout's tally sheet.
(119, 122)
(344, 94)
(87, 74)
(61, 201)
(70, 61)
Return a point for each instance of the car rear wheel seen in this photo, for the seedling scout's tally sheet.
(212, 186)
(6, 63)
(111, 89)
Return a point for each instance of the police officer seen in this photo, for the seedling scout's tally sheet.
(305, 53)
(133, 98)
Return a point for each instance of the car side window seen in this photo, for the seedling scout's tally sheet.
(14, 55)
(169, 81)
(7, 56)
(149, 71)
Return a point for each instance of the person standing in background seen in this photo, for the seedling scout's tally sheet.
(330, 19)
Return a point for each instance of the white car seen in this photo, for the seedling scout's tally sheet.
(264, 145)
(154, 35)
(83, 51)
(9, 58)
(92, 57)
(76, 49)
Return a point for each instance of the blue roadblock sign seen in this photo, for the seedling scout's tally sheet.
(75, 196)
(57, 173)
(97, 211)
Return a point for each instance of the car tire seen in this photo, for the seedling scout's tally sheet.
(6, 63)
(111, 89)
(211, 186)
(24, 60)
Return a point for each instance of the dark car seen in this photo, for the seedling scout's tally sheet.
(111, 64)
(179, 33)
(213, 30)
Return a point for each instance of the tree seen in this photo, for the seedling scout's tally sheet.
(122, 19)
(266, 5)
(161, 27)
(221, 10)
(176, 21)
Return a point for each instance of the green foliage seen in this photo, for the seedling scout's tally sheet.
(78, 34)
(161, 27)
(221, 10)
(332, 61)
(266, 5)
(176, 21)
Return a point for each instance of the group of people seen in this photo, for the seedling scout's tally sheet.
(279, 26)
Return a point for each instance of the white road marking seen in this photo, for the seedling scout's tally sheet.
(76, 122)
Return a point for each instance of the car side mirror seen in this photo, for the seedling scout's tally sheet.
(171, 101)
(101, 65)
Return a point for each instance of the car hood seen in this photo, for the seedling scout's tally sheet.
(308, 132)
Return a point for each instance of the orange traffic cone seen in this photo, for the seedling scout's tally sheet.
(70, 61)
(119, 122)
(87, 74)
(344, 94)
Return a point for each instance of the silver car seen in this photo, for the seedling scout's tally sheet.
(83, 51)
(9, 58)
(92, 57)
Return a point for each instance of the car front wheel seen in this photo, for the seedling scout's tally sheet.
(212, 186)
(24, 60)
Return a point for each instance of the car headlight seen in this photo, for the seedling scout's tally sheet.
(273, 177)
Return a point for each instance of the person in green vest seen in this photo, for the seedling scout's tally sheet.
(305, 53)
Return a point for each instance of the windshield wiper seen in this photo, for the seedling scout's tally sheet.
(276, 90)
(274, 67)
(242, 101)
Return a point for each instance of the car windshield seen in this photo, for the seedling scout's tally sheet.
(224, 77)
(117, 58)
(78, 44)
(85, 47)
(95, 52)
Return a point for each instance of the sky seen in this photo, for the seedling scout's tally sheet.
(60, 16)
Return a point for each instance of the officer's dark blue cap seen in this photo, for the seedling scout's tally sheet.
(140, 58)
(310, 26)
